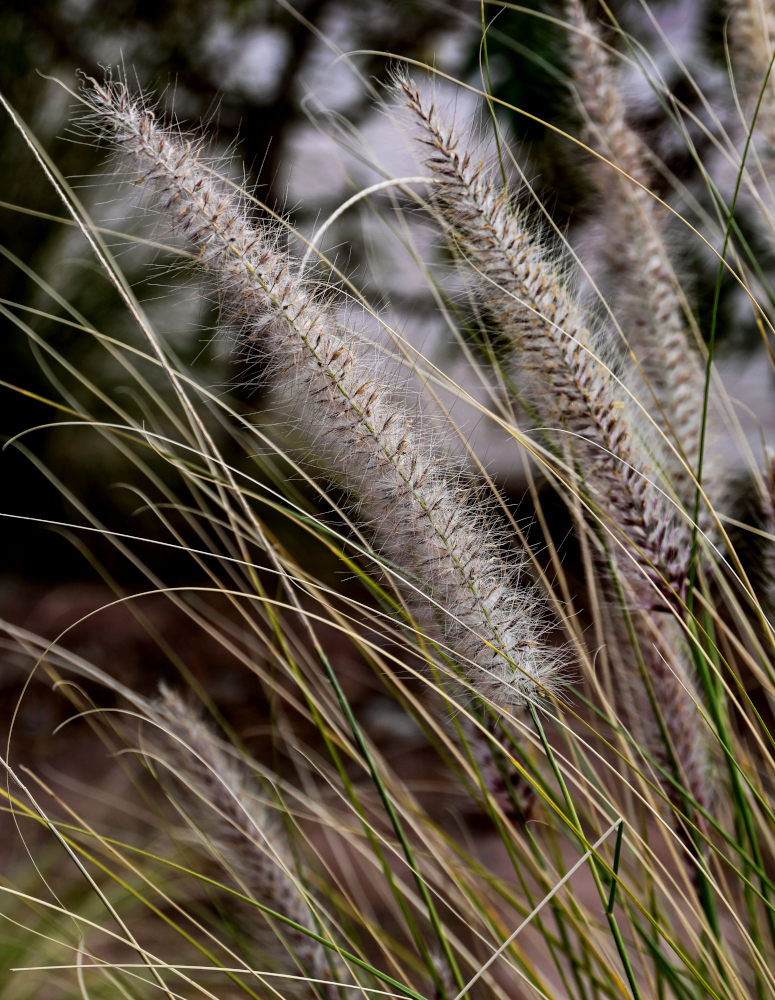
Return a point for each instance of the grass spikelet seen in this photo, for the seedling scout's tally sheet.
(667, 720)
(236, 827)
(752, 46)
(576, 391)
(656, 327)
(482, 609)
(559, 361)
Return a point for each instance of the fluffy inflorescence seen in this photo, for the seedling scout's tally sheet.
(658, 334)
(558, 362)
(633, 227)
(752, 37)
(661, 706)
(241, 832)
(573, 390)
(676, 704)
(459, 588)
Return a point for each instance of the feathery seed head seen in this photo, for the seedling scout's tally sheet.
(634, 244)
(462, 592)
(235, 826)
(559, 362)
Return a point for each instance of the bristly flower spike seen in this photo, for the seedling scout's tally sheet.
(236, 828)
(656, 327)
(571, 388)
(752, 46)
(559, 363)
(460, 590)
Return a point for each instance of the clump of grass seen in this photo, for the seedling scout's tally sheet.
(618, 754)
